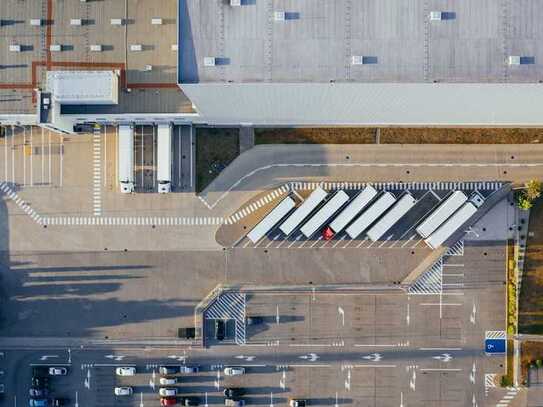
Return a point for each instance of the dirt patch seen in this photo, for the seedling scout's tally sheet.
(460, 136)
(215, 149)
(531, 293)
(339, 135)
(393, 135)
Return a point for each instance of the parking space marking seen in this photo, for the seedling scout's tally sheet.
(97, 173)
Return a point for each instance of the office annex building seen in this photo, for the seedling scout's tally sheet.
(272, 62)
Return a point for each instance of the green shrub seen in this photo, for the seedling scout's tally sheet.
(506, 381)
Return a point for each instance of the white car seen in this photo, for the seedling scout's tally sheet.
(167, 392)
(125, 371)
(58, 371)
(123, 391)
(168, 380)
(234, 371)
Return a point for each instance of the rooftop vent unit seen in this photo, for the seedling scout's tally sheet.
(15, 48)
(235, 3)
(96, 48)
(36, 22)
(175, 47)
(156, 21)
(55, 48)
(136, 47)
(436, 16)
(76, 21)
(148, 68)
(279, 15)
(209, 61)
(116, 21)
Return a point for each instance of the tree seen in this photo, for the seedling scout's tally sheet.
(533, 189)
(523, 202)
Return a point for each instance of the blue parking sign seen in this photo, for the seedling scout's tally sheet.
(495, 346)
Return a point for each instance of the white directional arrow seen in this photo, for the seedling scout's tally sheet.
(218, 381)
(413, 381)
(473, 313)
(283, 380)
(271, 399)
(117, 358)
(141, 399)
(311, 357)
(374, 357)
(337, 404)
(277, 318)
(407, 317)
(76, 400)
(472, 373)
(445, 357)
(247, 358)
(341, 312)
(348, 381)
(205, 400)
(473, 401)
(45, 357)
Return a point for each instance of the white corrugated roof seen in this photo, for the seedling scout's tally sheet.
(417, 104)
(83, 87)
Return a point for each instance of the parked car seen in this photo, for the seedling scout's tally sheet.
(37, 393)
(255, 320)
(220, 329)
(297, 403)
(166, 370)
(125, 371)
(234, 403)
(38, 403)
(40, 371)
(168, 380)
(189, 369)
(234, 371)
(168, 401)
(123, 391)
(233, 393)
(167, 391)
(58, 371)
(40, 382)
(190, 401)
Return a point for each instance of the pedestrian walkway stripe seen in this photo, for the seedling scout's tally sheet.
(97, 174)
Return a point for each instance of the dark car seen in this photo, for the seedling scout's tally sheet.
(255, 320)
(38, 393)
(190, 401)
(233, 392)
(220, 329)
(40, 382)
(40, 371)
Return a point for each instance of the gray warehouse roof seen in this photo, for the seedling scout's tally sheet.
(369, 104)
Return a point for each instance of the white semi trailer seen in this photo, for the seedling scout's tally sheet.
(126, 158)
(164, 158)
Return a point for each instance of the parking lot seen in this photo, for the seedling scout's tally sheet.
(401, 235)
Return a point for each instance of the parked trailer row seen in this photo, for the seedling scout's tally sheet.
(441, 214)
(323, 214)
(400, 208)
(451, 225)
(370, 215)
(353, 209)
(303, 211)
(271, 219)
